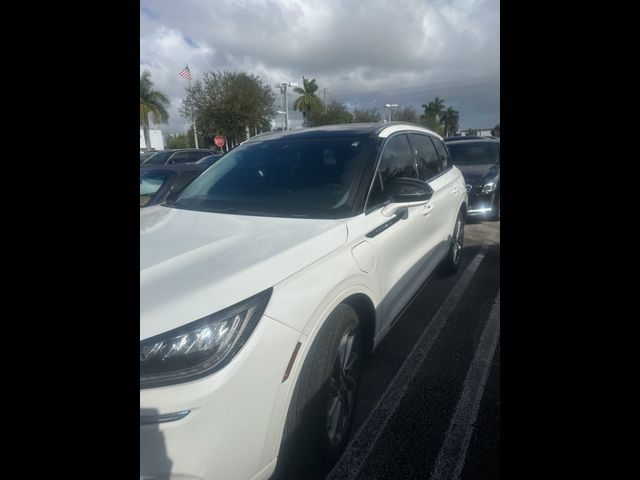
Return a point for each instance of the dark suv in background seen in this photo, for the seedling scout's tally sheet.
(479, 161)
(177, 156)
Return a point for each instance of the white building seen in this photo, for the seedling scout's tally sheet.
(484, 132)
(155, 136)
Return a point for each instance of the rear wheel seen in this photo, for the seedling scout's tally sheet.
(452, 260)
(321, 411)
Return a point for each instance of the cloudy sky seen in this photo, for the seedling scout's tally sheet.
(365, 53)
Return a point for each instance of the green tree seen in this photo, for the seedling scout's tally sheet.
(496, 131)
(179, 140)
(334, 113)
(152, 103)
(450, 118)
(405, 114)
(433, 109)
(432, 116)
(370, 115)
(308, 100)
(229, 104)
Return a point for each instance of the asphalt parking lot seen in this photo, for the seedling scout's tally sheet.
(429, 402)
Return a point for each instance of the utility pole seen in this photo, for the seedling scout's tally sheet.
(286, 109)
(283, 90)
(324, 97)
(193, 118)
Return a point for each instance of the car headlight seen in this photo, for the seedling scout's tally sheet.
(201, 347)
(489, 187)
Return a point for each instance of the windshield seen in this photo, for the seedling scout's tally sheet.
(150, 183)
(311, 177)
(474, 152)
(208, 160)
(158, 159)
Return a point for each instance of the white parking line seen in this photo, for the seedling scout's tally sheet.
(450, 460)
(360, 446)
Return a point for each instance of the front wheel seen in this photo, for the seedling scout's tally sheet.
(452, 260)
(321, 411)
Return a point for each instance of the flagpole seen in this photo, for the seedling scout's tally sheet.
(193, 118)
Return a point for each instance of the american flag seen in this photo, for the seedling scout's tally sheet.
(185, 73)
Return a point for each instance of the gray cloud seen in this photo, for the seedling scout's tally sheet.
(366, 53)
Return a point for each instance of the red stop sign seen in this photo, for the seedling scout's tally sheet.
(219, 140)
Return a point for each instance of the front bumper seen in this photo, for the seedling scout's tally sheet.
(480, 204)
(223, 426)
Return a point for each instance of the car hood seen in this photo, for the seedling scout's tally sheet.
(475, 173)
(193, 264)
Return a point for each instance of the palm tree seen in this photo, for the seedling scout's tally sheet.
(432, 117)
(152, 103)
(434, 109)
(450, 119)
(307, 99)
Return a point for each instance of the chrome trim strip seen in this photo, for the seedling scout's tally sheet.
(167, 417)
(480, 210)
(378, 230)
(406, 127)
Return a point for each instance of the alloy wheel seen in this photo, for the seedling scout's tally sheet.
(343, 385)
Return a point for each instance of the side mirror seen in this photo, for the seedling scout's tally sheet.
(406, 192)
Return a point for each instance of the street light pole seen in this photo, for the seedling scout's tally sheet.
(389, 107)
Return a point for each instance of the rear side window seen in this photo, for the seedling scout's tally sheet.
(195, 155)
(444, 154)
(158, 158)
(396, 161)
(181, 157)
(429, 164)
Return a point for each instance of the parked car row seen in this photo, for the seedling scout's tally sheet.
(265, 282)
(173, 156)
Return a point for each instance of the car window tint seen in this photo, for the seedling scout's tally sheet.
(443, 153)
(396, 161)
(465, 153)
(208, 160)
(314, 177)
(195, 155)
(158, 158)
(181, 157)
(426, 156)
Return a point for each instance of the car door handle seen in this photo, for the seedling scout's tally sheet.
(454, 190)
(427, 209)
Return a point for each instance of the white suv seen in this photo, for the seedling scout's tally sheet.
(263, 285)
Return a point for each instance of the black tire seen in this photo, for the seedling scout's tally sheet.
(309, 444)
(451, 262)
